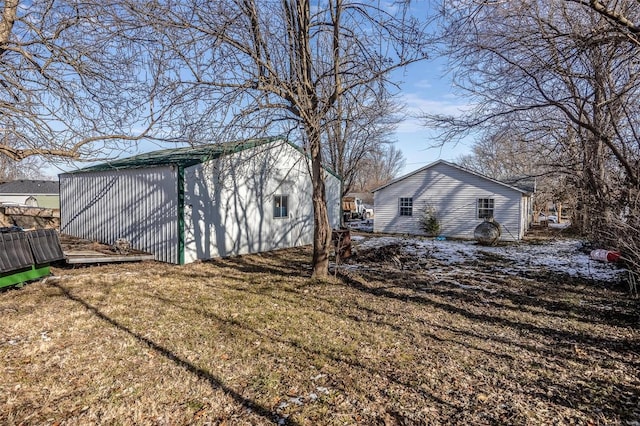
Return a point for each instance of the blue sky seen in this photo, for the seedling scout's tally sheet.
(426, 88)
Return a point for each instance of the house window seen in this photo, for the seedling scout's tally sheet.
(280, 206)
(406, 206)
(485, 208)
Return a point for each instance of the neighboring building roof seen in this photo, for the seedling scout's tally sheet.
(30, 187)
(526, 183)
(184, 157)
(435, 163)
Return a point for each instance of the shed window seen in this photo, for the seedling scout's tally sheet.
(280, 206)
(485, 208)
(406, 206)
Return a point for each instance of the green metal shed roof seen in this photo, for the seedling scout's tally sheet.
(184, 157)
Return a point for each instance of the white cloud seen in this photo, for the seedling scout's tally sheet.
(423, 84)
(416, 105)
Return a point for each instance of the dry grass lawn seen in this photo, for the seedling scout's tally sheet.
(252, 340)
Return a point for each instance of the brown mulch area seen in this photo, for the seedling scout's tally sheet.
(391, 255)
(71, 243)
(253, 340)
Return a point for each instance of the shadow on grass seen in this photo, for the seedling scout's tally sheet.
(297, 345)
(603, 398)
(622, 345)
(180, 362)
(621, 401)
(611, 313)
(290, 263)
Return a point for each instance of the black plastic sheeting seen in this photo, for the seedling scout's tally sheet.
(21, 249)
(45, 245)
(15, 251)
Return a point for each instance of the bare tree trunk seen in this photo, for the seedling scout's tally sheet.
(291, 66)
(6, 24)
(559, 211)
(322, 228)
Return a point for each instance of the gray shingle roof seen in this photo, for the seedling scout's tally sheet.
(30, 187)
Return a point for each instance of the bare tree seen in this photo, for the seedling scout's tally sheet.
(501, 155)
(380, 166)
(75, 79)
(358, 134)
(256, 67)
(563, 75)
(506, 155)
(621, 15)
(29, 168)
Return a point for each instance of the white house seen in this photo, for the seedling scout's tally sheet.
(34, 193)
(198, 203)
(459, 198)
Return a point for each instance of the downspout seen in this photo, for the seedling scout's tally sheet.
(181, 215)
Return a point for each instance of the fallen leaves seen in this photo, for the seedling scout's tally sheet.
(248, 340)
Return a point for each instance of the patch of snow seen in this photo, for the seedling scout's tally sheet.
(361, 225)
(559, 256)
(296, 400)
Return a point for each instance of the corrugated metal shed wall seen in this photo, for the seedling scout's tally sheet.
(140, 205)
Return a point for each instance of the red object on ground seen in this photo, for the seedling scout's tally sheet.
(613, 256)
(605, 255)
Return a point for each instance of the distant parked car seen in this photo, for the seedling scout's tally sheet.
(551, 218)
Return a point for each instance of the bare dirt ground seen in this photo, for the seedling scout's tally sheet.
(253, 340)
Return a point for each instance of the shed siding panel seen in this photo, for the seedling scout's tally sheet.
(229, 203)
(453, 193)
(140, 205)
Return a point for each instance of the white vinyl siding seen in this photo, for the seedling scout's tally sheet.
(453, 193)
(42, 200)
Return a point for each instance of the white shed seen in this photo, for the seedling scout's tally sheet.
(459, 198)
(210, 201)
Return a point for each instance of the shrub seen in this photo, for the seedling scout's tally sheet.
(429, 221)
